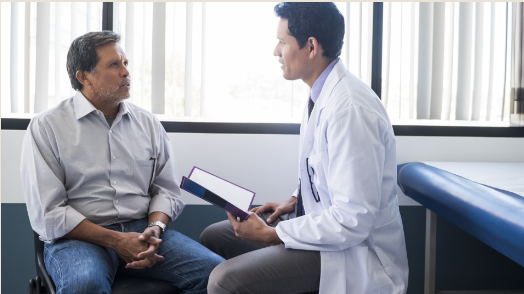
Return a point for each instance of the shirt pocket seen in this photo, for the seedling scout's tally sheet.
(143, 173)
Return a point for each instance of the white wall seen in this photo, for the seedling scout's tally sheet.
(267, 164)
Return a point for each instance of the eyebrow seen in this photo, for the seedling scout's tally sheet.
(113, 60)
(116, 60)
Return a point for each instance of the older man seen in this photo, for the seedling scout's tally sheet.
(101, 184)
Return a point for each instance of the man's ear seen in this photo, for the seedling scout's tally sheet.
(82, 78)
(314, 48)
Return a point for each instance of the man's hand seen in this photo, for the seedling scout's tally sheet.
(149, 257)
(279, 208)
(129, 246)
(254, 229)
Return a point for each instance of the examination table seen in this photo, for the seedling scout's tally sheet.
(484, 199)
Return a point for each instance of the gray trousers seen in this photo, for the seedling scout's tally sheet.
(255, 268)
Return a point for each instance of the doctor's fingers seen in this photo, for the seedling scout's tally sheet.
(232, 219)
(278, 211)
(257, 210)
(267, 206)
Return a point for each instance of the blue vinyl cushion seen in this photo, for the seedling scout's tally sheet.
(493, 216)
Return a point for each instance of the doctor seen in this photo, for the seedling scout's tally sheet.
(347, 236)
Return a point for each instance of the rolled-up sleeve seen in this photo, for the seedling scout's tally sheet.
(165, 190)
(43, 184)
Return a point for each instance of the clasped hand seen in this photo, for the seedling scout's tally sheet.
(140, 250)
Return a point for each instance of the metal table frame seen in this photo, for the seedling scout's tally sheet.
(430, 261)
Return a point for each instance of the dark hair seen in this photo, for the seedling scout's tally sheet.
(321, 20)
(82, 53)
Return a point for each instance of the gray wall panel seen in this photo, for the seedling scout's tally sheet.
(463, 262)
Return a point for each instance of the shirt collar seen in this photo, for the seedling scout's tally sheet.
(83, 106)
(319, 83)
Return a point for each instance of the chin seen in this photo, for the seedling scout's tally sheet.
(287, 77)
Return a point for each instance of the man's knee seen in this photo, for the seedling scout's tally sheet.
(84, 282)
(80, 267)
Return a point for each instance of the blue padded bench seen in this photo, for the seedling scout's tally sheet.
(492, 215)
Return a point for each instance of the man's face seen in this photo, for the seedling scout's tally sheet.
(110, 80)
(294, 60)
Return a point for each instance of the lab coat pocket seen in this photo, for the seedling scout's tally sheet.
(143, 174)
(317, 171)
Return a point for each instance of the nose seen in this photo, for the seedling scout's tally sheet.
(125, 72)
(276, 52)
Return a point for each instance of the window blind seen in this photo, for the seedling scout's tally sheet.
(446, 61)
(517, 69)
(35, 41)
(219, 64)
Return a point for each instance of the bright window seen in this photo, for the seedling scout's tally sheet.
(214, 61)
(447, 63)
(442, 63)
(35, 40)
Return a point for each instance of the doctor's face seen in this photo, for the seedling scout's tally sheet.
(293, 59)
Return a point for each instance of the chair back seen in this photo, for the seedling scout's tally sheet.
(40, 265)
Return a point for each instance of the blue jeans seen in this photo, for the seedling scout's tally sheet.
(80, 267)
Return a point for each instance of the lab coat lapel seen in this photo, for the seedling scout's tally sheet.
(308, 132)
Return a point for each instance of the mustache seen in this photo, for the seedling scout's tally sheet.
(125, 81)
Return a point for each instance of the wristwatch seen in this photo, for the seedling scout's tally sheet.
(160, 224)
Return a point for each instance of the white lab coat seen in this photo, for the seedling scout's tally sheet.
(356, 225)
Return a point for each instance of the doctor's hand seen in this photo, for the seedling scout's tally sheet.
(279, 208)
(254, 229)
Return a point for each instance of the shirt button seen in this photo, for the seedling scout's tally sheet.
(110, 131)
(117, 201)
(114, 182)
(114, 157)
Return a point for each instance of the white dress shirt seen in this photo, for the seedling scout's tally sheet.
(75, 166)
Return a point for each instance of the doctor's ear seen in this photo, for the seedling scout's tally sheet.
(313, 46)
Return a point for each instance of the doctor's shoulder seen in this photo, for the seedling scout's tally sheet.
(348, 99)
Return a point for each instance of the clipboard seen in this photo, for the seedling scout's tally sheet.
(219, 192)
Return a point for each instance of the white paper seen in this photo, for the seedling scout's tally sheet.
(232, 193)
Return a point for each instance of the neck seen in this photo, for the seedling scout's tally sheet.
(317, 68)
(108, 106)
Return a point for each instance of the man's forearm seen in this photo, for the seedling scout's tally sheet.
(89, 232)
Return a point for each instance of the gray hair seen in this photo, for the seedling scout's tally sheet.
(82, 53)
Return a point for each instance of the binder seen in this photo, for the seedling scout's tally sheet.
(219, 192)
